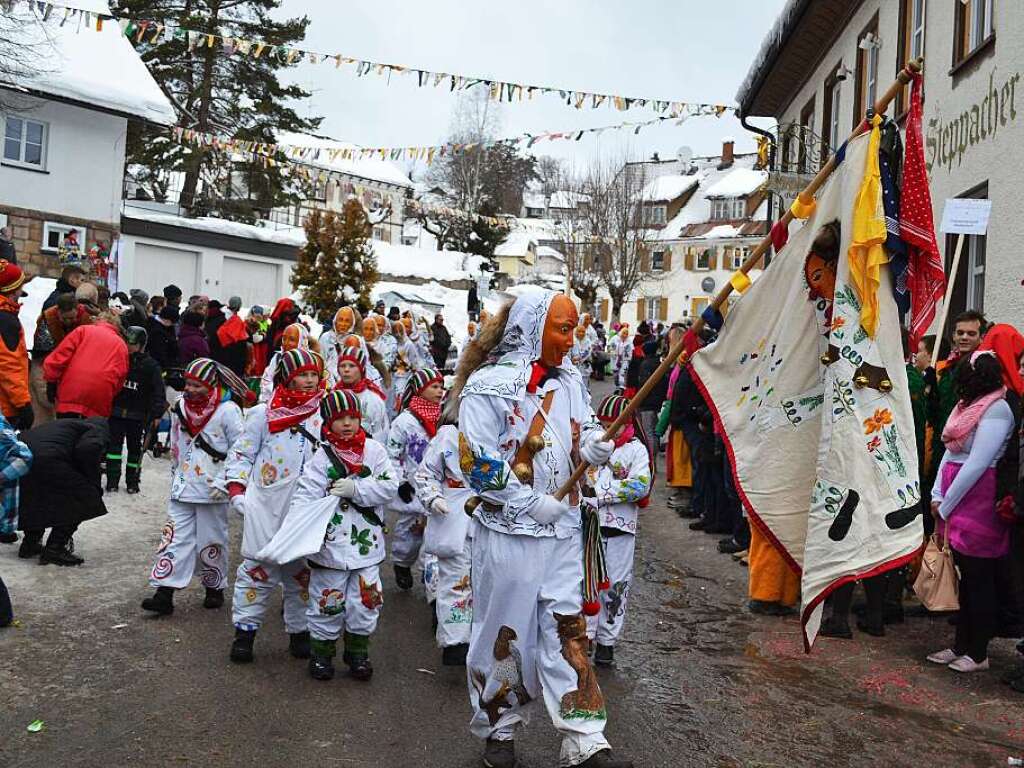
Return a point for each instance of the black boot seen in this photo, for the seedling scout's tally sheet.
(500, 754)
(214, 598)
(359, 667)
(321, 659)
(9, 538)
(403, 577)
(31, 545)
(131, 479)
(111, 484)
(604, 655)
(161, 603)
(113, 472)
(454, 655)
(60, 554)
(357, 656)
(298, 645)
(837, 628)
(604, 759)
(241, 648)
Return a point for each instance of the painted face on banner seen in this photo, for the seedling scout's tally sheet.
(561, 321)
(344, 320)
(821, 276)
(369, 329)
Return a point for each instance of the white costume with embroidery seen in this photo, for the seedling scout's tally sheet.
(529, 635)
(267, 384)
(195, 537)
(447, 536)
(344, 583)
(269, 465)
(619, 485)
(582, 351)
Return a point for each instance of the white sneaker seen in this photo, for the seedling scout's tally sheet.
(967, 664)
(945, 658)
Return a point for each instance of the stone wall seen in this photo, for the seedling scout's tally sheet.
(27, 231)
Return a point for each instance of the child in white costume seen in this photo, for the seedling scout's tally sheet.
(344, 582)
(263, 471)
(524, 413)
(295, 336)
(442, 490)
(621, 488)
(205, 422)
(352, 365)
(413, 428)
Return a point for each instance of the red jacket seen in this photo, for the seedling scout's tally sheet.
(90, 367)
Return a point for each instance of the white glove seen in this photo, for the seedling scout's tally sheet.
(343, 488)
(596, 451)
(439, 506)
(257, 338)
(548, 510)
(238, 504)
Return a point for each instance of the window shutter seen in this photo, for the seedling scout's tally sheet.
(604, 310)
(712, 258)
(688, 260)
(663, 309)
(668, 260)
(641, 310)
(645, 261)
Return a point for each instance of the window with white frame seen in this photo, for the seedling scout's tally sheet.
(974, 25)
(658, 261)
(981, 22)
(975, 247)
(703, 259)
(54, 235)
(728, 209)
(917, 8)
(833, 118)
(653, 308)
(25, 142)
(739, 255)
(654, 214)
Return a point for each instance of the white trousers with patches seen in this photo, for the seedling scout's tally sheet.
(529, 640)
(407, 539)
(454, 598)
(343, 601)
(194, 541)
(606, 627)
(255, 584)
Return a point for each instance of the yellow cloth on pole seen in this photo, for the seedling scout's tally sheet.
(867, 253)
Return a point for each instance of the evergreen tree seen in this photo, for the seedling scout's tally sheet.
(337, 265)
(221, 90)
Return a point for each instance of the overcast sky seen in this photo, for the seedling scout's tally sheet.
(680, 50)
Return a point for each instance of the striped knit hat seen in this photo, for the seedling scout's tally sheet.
(420, 380)
(611, 408)
(355, 355)
(297, 361)
(213, 375)
(204, 371)
(338, 403)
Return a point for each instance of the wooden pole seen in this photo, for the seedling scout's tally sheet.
(946, 299)
(902, 80)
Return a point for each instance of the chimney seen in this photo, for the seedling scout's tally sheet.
(728, 156)
(655, 158)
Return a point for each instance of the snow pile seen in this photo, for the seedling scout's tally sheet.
(721, 231)
(667, 188)
(91, 68)
(406, 261)
(376, 170)
(32, 305)
(740, 183)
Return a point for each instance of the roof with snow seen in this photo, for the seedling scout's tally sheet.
(546, 251)
(667, 188)
(740, 183)
(568, 199)
(372, 169)
(75, 62)
(516, 244)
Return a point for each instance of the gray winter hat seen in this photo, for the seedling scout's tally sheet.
(139, 295)
(235, 303)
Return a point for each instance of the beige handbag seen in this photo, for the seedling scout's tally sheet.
(937, 585)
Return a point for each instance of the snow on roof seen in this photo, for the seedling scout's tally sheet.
(93, 69)
(721, 231)
(770, 47)
(667, 188)
(549, 252)
(534, 200)
(373, 169)
(283, 236)
(568, 199)
(739, 183)
(516, 244)
(539, 229)
(406, 261)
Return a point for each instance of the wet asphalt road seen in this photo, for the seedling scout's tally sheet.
(699, 681)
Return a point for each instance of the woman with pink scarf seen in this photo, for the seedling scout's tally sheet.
(964, 500)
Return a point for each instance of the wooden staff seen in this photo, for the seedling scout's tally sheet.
(902, 80)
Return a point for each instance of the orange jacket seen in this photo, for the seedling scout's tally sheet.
(14, 392)
(90, 367)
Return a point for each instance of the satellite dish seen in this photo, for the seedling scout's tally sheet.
(707, 284)
(684, 155)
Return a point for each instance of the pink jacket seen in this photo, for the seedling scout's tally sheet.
(89, 366)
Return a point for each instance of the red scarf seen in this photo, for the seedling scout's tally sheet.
(426, 412)
(199, 412)
(289, 407)
(539, 373)
(628, 433)
(361, 386)
(349, 451)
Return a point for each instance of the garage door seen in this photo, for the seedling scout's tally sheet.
(157, 266)
(257, 282)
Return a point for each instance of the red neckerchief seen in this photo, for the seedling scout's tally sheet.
(539, 373)
(349, 451)
(361, 386)
(627, 434)
(426, 412)
(198, 413)
(289, 407)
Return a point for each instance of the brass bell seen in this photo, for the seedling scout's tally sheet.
(535, 444)
(472, 504)
(524, 472)
(825, 359)
(861, 381)
(885, 385)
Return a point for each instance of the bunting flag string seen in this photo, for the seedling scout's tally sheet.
(143, 31)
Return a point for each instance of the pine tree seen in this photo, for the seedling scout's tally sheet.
(220, 91)
(337, 265)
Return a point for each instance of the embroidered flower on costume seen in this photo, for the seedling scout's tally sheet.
(875, 423)
(620, 471)
(875, 444)
(837, 323)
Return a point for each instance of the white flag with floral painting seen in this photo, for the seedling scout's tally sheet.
(815, 413)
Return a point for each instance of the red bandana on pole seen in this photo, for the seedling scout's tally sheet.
(926, 277)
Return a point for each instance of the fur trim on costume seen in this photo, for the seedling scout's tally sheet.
(474, 356)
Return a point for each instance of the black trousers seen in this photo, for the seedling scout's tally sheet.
(6, 611)
(979, 605)
(59, 536)
(123, 431)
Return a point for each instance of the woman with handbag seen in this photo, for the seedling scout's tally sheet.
(964, 505)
